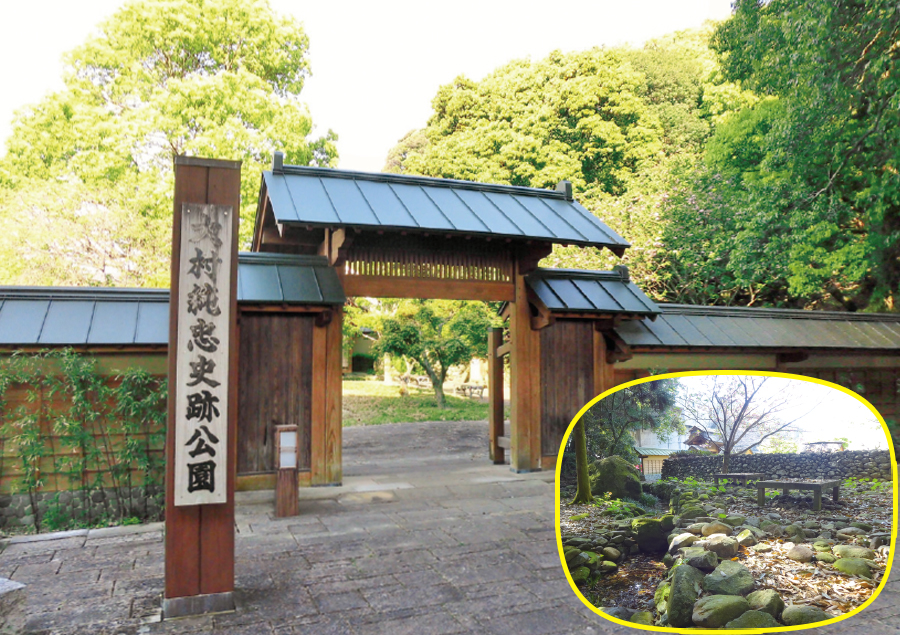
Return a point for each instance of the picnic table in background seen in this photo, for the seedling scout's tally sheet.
(743, 477)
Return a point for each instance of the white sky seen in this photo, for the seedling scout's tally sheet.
(826, 413)
(376, 65)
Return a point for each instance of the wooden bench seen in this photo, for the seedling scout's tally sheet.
(786, 486)
(743, 477)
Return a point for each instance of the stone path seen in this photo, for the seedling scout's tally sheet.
(424, 537)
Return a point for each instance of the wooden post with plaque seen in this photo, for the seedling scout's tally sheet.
(200, 442)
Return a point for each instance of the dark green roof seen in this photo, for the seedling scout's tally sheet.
(573, 290)
(681, 325)
(98, 316)
(326, 197)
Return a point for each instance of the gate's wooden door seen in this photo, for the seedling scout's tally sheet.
(275, 386)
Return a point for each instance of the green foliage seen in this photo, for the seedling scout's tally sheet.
(812, 170)
(780, 445)
(610, 422)
(437, 334)
(107, 432)
(157, 79)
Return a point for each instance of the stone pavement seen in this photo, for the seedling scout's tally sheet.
(424, 537)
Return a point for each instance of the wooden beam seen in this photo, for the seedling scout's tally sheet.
(544, 317)
(427, 288)
(525, 380)
(617, 350)
(339, 247)
(504, 349)
(495, 388)
(527, 259)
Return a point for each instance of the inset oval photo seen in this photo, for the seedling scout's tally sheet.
(727, 501)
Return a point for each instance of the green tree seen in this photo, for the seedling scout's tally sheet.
(817, 161)
(159, 79)
(622, 124)
(610, 423)
(437, 334)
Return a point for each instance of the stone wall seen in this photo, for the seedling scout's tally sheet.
(17, 510)
(853, 463)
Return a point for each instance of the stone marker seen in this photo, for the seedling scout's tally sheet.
(12, 607)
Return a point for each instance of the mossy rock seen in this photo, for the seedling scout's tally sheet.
(715, 611)
(579, 517)
(661, 597)
(642, 617)
(689, 512)
(753, 619)
(667, 523)
(615, 474)
(581, 574)
(685, 589)
(767, 601)
(797, 614)
(854, 566)
(853, 551)
(825, 557)
(649, 535)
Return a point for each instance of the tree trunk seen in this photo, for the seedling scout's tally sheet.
(436, 382)
(725, 460)
(583, 493)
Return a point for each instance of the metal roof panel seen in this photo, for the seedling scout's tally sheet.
(602, 299)
(686, 330)
(299, 284)
(310, 201)
(573, 299)
(347, 199)
(259, 283)
(152, 323)
(21, 321)
(330, 286)
(283, 206)
(637, 333)
(493, 217)
(67, 322)
(529, 224)
(664, 332)
(386, 205)
(114, 323)
(416, 201)
(457, 210)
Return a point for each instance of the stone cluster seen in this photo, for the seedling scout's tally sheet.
(874, 464)
(18, 511)
(706, 587)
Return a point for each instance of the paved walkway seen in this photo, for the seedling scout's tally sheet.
(424, 537)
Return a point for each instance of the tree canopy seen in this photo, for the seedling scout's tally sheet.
(649, 406)
(157, 79)
(738, 411)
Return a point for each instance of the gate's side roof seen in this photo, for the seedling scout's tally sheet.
(326, 197)
(576, 291)
(96, 316)
(685, 326)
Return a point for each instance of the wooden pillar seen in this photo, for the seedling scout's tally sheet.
(495, 387)
(200, 538)
(604, 373)
(525, 382)
(318, 406)
(333, 397)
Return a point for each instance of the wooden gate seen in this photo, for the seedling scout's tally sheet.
(275, 387)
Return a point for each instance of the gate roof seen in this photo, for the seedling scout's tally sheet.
(576, 291)
(326, 197)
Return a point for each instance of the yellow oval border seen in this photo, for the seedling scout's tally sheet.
(667, 629)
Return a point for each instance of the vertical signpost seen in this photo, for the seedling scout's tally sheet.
(200, 443)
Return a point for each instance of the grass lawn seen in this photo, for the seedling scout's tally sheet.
(368, 403)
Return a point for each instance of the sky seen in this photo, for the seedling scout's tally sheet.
(376, 65)
(822, 412)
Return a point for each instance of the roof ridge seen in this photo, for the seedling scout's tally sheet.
(271, 258)
(83, 293)
(409, 179)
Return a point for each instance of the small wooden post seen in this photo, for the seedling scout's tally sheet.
(495, 386)
(287, 501)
